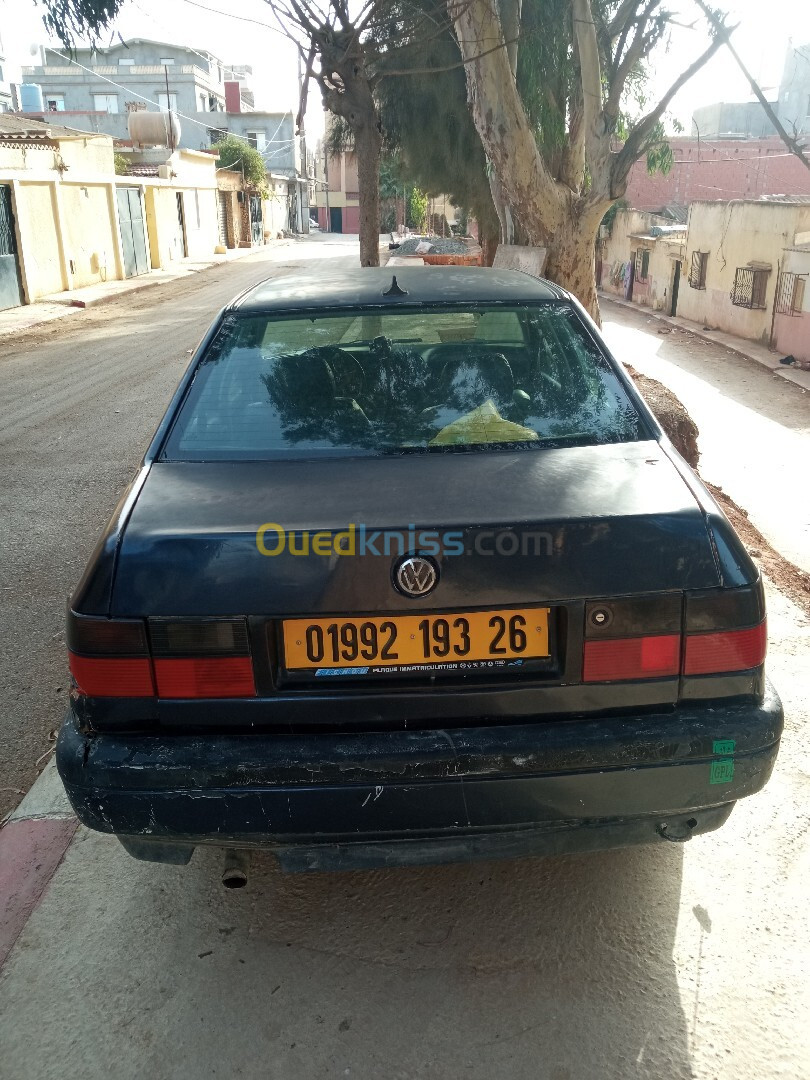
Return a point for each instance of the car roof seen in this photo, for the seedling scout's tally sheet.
(366, 287)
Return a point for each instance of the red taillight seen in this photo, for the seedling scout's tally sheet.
(113, 657)
(725, 650)
(102, 676)
(205, 677)
(632, 658)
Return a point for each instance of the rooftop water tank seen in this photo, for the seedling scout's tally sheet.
(31, 97)
(153, 129)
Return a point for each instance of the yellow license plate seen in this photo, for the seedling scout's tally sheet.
(393, 641)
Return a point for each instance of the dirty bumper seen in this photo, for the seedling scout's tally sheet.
(408, 797)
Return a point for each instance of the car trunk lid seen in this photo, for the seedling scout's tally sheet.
(535, 527)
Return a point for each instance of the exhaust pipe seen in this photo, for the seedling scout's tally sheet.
(235, 870)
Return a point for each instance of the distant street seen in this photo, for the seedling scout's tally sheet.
(81, 398)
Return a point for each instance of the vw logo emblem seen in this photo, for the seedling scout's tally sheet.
(416, 576)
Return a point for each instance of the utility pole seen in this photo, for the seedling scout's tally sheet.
(302, 132)
(169, 125)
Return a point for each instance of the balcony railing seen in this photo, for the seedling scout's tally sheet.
(70, 70)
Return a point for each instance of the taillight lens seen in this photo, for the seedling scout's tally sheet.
(205, 677)
(725, 650)
(194, 658)
(101, 676)
(109, 657)
(650, 657)
(724, 631)
(202, 658)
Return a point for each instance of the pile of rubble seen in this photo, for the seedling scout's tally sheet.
(431, 245)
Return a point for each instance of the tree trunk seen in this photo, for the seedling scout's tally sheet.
(551, 214)
(570, 261)
(489, 246)
(368, 147)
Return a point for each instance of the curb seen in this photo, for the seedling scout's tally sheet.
(796, 376)
(33, 843)
(71, 302)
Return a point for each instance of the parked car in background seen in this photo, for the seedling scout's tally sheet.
(313, 223)
(410, 573)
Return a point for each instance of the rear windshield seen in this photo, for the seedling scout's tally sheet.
(426, 381)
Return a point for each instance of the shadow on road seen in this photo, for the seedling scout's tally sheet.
(555, 969)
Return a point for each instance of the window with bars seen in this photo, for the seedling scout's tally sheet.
(790, 294)
(642, 264)
(697, 271)
(750, 287)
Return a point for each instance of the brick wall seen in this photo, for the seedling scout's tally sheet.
(719, 169)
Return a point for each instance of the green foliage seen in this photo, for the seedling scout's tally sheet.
(546, 71)
(610, 216)
(428, 128)
(338, 137)
(660, 159)
(659, 153)
(121, 162)
(392, 178)
(417, 209)
(69, 19)
(235, 153)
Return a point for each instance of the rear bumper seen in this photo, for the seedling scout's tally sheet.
(399, 797)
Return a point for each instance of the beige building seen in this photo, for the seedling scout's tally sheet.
(67, 220)
(737, 254)
(740, 266)
(642, 259)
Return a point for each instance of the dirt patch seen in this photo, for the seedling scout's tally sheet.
(673, 417)
(789, 579)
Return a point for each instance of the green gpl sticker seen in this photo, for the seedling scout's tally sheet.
(722, 772)
(723, 748)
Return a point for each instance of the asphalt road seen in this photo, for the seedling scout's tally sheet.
(81, 398)
(657, 963)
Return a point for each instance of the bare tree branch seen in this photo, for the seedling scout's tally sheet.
(789, 141)
(451, 67)
(635, 143)
(626, 60)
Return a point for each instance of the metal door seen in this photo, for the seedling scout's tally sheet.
(10, 287)
(133, 232)
(222, 217)
(676, 281)
(335, 219)
(256, 225)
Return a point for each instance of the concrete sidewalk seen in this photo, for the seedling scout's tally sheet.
(33, 841)
(751, 350)
(62, 304)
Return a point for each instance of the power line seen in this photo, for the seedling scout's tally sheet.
(241, 18)
(187, 48)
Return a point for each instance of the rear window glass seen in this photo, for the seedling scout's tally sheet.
(412, 381)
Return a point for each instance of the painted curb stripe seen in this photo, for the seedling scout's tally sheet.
(30, 853)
